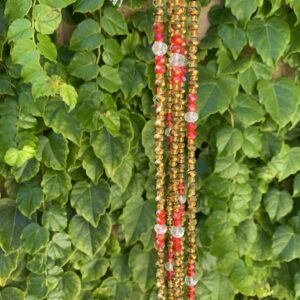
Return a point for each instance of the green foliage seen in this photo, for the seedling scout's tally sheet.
(77, 151)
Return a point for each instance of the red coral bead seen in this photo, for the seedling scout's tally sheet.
(159, 60)
(168, 123)
(192, 98)
(160, 221)
(160, 69)
(177, 71)
(191, 135)
(159, 37)
(160, 237)
(159, 244)
(177, 247)
(160, 213)
(191, 107)
(191, 126)
(191, 295)
(168, 116)
(175, 79)
(176, 39)
(158, 27)
(169, 275)
(170, 255)
(177, 49)
(181, 186)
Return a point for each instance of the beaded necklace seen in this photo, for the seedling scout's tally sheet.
(179, 126)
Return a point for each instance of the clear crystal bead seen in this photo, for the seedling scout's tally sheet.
(168, 131)
(190, 281)
(169, 266)
(177, 60)
(160, 229)
(182, 199)
(154, 99)
(191, 116)
(177, 231)
(159, 48)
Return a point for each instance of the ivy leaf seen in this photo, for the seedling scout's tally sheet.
(286, 243)
(92, 165)
(87, 238)
(53, 151)
(29, 199)
(46, 19)
(27, 171)
(281, 99)
(112, 150)
(243, 9)
(11, 225)
(119, 267)
(57, 3)
(252, 143)
(36, 286)
(46, 47)
(112, 54)
(94, 269)
(229, 141)
(19, 29)
(34, 238)
(109, 79)
(68, 95)
(59, 246)
(83, 65)
(55, 184)
(246, 234)
(113, 22)
(57, 117)
(278, 203)
(55, 218)
(111, 120)
(84, 6)
(17, 158)
(15, 9)
(226, 167)
(136, 219)
(142, 21)
(269, 37)
(86, 36)
(296, 186)
(133, 78)
(10, 292)
(8, 264)
(90, 201)
(295, 5)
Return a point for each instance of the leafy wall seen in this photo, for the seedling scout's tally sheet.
(76, 151)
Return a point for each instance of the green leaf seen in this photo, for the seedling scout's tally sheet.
(59, 246)
(46, 47)
(55, 184)
(87, 238)
(113, 22)
(58, 118)
(226, 167)
(119, 267)
(111, 120)
(112, 54)
(296, 186)
(83, 65)
(15, 9)
(90, 201)
(295, 5)
(17, 158)
(137, 217)
(142, 21)
(229, 140)
(29, 199)
(94, 268)
(252, 143)
(86, 36)
(286, 163)
(8, 263)
(11, 225)
(246, 234)
(269, 37)
(46, 19)
(55, 218)
(53, 151)
(286, 243)
(243, 9)
(109, 79)
(70, 285)
(36, 286)
(281, 99)
(27, 171)
(143, 274)
(234, 38)
(278, 203)
(5, 85)
(130, 43)
(37, 264)
(68, 94)
(112, 150)
(10, 292)
(57, 3)
(247, 110)
(19, 29)
(84, 6)
(92, 165)
(34, 238)
(133, 78)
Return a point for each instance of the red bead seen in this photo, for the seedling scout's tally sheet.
(182, 208)
(159, 60)
(168, 123)
(177, 247)
(160, 237)
(169, 275)
(191, 126)
(191, 295)
(160, 221)
(168, 116)
(192, 98)
(177, 49)
(176, 39)
(159, 37)
(191, 135)
(181, 186)
(175, 79)
(158, 27)
(170, 255)
(160, 69)
(170, 139)
(176, 71)
(160, 213)
(191, 270)
(159, 244)
(191, 107)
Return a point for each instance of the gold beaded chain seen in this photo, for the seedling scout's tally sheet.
(171, 120)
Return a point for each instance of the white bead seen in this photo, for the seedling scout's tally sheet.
(159, 48)
(182, 199)
(168, 131)
(169, 266)
(154, 99)
(177, 231)
(190, 281)
(160, 229)
(191, 116)
(177, 60)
